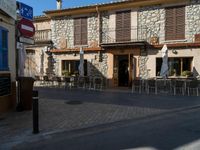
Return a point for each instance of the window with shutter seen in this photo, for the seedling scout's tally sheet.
(123, 26)
(175, 23)
(3, 49)
(80, 31)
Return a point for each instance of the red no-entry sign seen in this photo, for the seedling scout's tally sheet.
(26, 28)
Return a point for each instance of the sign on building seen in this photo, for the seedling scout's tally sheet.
(9, 7)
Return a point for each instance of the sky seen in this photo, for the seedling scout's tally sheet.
(41, 5)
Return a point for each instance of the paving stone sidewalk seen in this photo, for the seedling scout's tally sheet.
(95, 108)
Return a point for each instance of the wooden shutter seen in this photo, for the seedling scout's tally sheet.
(175, 23)
(80, 31)
(127, 26)
(180, 23)
(83, 31)
(77, 31)
(123, 26)
(119, 27)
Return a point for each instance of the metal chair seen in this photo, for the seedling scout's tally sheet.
(58, 81)
(74, 81)
(178, 87)
(88, 82)
(136, 86)
(152, 86)
(163, 86)
(193, 87)
(98, 83)
(81, 82)
(67, 81)
(47, 81)
(37, 81)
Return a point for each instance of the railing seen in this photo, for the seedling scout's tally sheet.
(133, 34)
(42, 35)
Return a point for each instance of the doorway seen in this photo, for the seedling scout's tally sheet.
(123, 72)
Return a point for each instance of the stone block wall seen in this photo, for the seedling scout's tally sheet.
(192, 20)
(151, 21)
(93, 30)
(97, 63)
(153, 18)
(63, 28)
(99, 66)
(105, 26)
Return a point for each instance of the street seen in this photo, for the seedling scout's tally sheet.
(109, 119)
(174, 131)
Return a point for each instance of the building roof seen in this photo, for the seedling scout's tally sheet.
(40, 18)
(113, 5)
(86, 6)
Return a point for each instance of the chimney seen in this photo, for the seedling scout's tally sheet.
(59, 4)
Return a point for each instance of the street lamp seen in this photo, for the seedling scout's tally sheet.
(49, 69)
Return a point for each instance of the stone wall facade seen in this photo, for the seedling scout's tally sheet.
(154, 19)
(97, 63)
(99, 66)
(105, 26)
(93, 30)
(151, 21)
(63, 28)
(192, 20)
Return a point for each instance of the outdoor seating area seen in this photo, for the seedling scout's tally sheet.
(81, 82)
(169, 86)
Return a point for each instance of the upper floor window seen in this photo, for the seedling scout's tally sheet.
(3, 49)
(123, 26)
(175, 23)
(80, 31)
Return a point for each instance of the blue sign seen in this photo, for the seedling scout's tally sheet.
(25, 11)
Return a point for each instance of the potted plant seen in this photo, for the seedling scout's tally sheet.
(186, 73)
(66, 73)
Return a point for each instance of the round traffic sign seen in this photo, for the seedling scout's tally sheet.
(26, 28)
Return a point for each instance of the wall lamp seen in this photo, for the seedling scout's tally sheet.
(174, 51)
(49, 48)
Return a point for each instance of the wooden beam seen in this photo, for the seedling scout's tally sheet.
(177, 45)
(86, 49)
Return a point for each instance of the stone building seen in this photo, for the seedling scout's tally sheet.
(36, 62)
(7, 55)
(123, 40)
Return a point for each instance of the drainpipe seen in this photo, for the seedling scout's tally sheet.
(99, 24)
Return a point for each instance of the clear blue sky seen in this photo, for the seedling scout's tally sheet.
(41, 5)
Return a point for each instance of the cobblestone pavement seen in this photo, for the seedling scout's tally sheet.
(93, 108)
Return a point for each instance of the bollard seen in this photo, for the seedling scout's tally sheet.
(35, 112)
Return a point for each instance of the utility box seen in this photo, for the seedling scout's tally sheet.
(25, 85)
